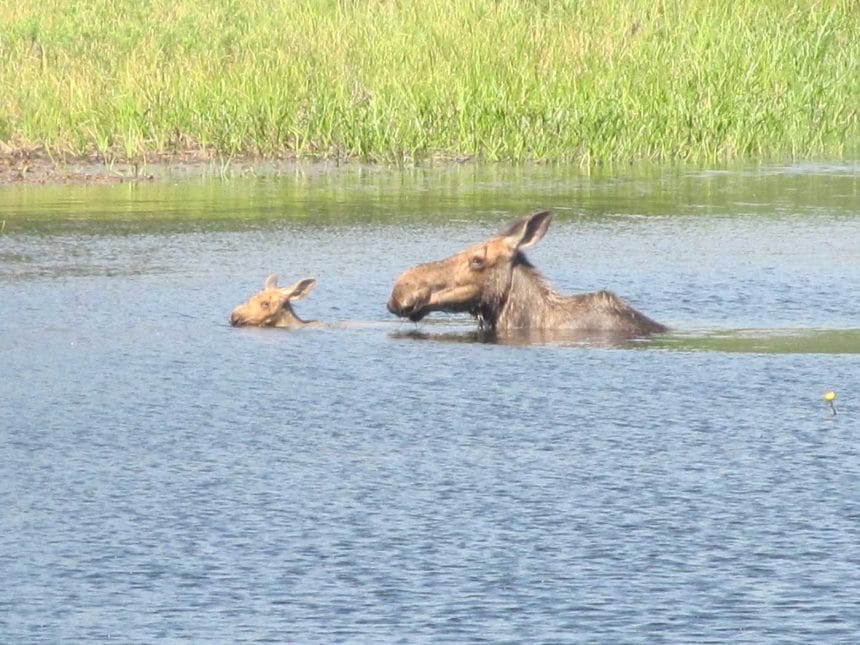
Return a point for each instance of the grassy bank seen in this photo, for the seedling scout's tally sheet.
(580, 81)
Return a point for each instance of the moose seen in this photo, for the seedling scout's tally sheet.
(271, 307)
(495, 283)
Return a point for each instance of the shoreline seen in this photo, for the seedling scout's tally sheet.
(29, 167)
(37, 168)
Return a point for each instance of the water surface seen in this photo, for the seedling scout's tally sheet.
(168, 477)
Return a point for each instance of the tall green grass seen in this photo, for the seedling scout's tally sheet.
(589, 81)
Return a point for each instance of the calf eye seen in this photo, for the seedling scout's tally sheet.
(476, 263)
(264, 304)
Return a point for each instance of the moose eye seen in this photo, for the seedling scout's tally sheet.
(264, 304)
(476, 263)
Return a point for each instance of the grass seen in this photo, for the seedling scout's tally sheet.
(588, 82)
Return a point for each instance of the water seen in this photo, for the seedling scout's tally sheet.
(168, 478)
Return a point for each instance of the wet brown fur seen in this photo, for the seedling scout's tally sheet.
(271, 307)
(495, 282)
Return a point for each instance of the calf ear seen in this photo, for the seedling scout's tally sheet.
(300, 289)
(271, 282)
(527, 230)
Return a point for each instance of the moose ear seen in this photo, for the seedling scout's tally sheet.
(272, 282)
(300, 289)
(528, 230)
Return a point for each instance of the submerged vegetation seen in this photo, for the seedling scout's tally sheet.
(582, 81)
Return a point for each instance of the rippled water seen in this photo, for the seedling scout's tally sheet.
(167, 477)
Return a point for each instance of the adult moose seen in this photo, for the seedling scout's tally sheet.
(271, 307)
(495, 282)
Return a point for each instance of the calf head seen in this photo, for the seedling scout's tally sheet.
(473, 280)
(271, 306)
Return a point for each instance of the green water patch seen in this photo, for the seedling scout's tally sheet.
(739, 341)
(762, 341)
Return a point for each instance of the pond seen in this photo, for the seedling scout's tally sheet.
(168, 477)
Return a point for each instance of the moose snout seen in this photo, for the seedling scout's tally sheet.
(407, 301)
(399, 305)
(394, 306)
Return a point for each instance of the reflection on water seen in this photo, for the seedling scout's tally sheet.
(489, 194)
(528, 337)
(168, 477)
